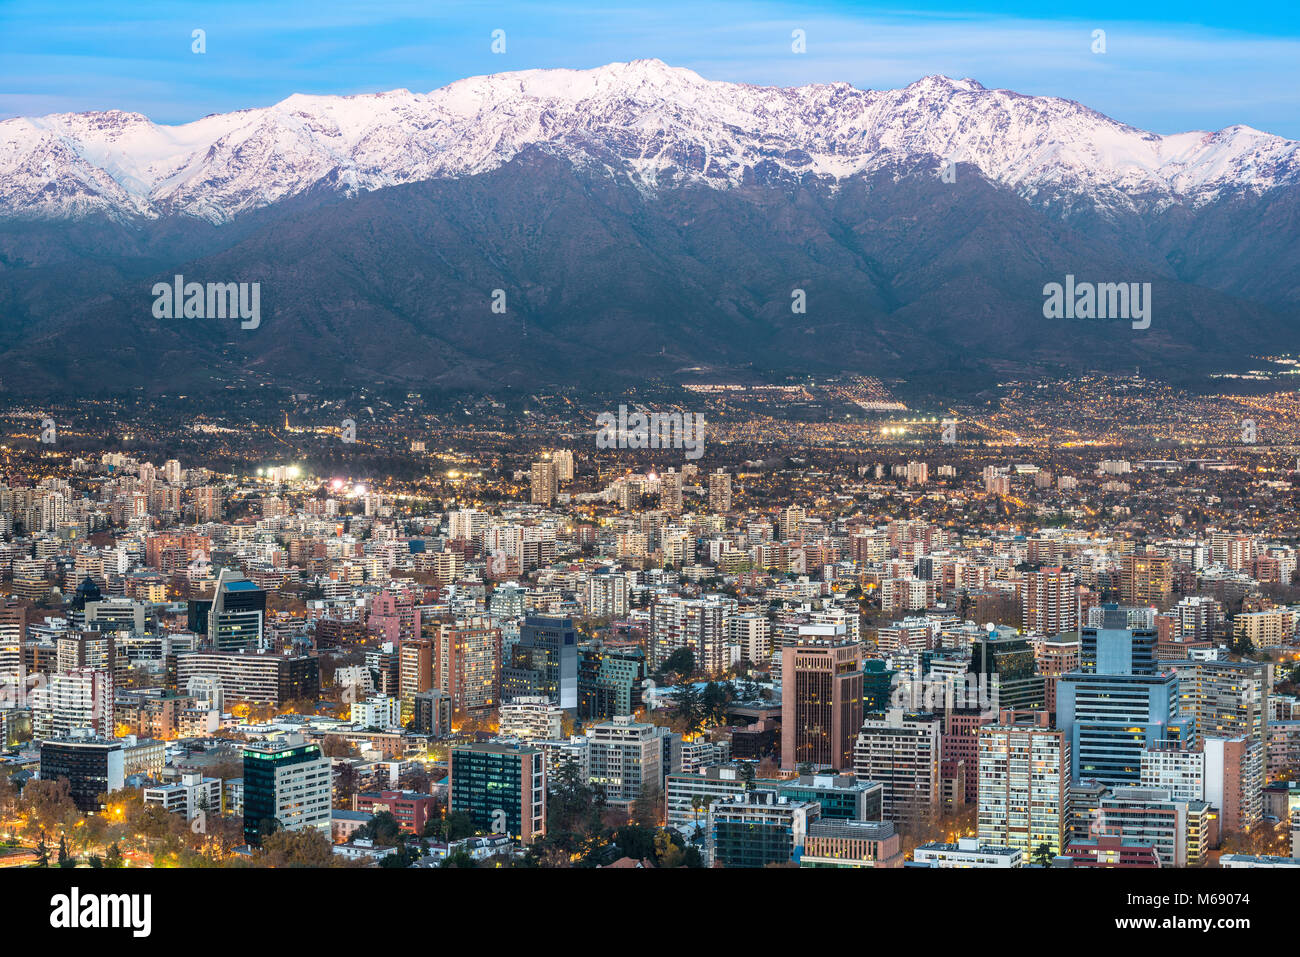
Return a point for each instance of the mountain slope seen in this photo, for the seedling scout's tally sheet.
(658, 125)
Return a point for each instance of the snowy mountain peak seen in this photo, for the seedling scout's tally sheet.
(660, 124)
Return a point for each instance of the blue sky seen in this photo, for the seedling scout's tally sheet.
(1167, 66)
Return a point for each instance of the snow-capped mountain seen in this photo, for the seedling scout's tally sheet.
(659, 125)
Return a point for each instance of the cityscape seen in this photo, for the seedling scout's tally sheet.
(762, 438)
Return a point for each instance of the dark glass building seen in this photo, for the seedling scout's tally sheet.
(544, 662)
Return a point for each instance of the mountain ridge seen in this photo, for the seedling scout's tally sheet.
(662, 126)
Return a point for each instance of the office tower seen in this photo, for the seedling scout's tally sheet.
(252, 678)
(1113, 647)
(1004, 667)
(414, 671)
(821, 703)
(13, 639)
(545, 482)
(93, 765)
(842, 796)
(902, 751)
(287, 787)
(1181, 831)
(432, 713)
(719, 491)
(531, 716)
(467, 665)
(877, 685)
(1146, 579)
(1227, 700)
(1112, 719)
(606, 595)
(625, 758)
(1024, 782)
(502, 787)
(841, 843)
(1050, 601)
(233, 620)
(610, 679)
(755, 829)
(544, 662)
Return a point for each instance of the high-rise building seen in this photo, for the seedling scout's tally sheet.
(233, 620)
(719, 491)
(841, 843)
(625, 758)
(611, 677)
(467, 665)
(1181, 831)
(544, 661)
(13, 638)
(287, 787)
(532, 716)
(902, 751)
(1024, 782)
(670, 491)
(502, 787)
(93, 765)
(1115, 648)
(695, 624)
(755, 829)
(821, 703)
(1227, 700)
(1005, 665)
(545, 482)
(414, 670)
(1049, 598)
(1112, 719)
(73, 701)
(1146, 579)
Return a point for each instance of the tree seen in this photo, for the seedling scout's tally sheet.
(645, 809)
(688, 708)
(306, 848)
(635, 841)
(65, 859)
(334, 746)
(1043, 855)
(114, 857)
(668, 852)
(383, 829)
(681, 662)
